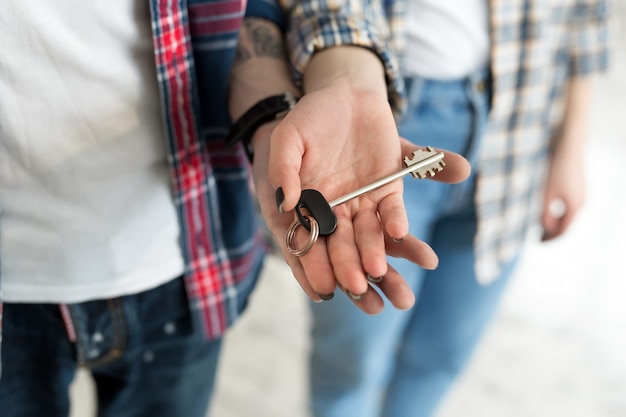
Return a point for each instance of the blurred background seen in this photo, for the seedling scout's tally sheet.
(556, 348)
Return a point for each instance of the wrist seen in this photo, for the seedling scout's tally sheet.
(264, 111)
(356, 67)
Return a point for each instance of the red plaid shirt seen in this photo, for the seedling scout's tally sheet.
(194, 45)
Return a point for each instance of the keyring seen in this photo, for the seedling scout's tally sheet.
(313, 235)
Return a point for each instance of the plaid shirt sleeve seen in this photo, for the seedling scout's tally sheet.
(588, 35)
(315, 25)
(536, 46)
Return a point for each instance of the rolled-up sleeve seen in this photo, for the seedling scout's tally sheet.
(589, 33)
(315, 25)
(267, 9)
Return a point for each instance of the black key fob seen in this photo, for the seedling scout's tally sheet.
(318, 208)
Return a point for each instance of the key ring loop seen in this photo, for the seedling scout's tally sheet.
(313, 235)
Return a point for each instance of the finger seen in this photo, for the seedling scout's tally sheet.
(395, 289)
(554, 215)
(370, 241)
(293, 262)
(345, 257)
(298, 272)
(549, 225)
(555, 225)
(320, 276)
(393, 216)
(369, 302)
(285, 162)
(566, 221)
(457, 168)
(414, 250)
(552, 231)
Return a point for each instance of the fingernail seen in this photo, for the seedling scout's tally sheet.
(398, 240)
(355, 297)
(280, 199)
(374, 280)
(327, 296)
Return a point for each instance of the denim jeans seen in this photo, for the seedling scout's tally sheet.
(144, 355)
(401, 363)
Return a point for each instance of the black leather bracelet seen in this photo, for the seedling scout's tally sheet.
(262, 112)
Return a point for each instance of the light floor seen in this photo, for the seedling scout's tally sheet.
(557, 348)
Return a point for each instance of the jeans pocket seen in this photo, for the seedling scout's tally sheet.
(101, 331)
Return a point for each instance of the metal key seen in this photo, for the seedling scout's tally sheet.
(321, 220)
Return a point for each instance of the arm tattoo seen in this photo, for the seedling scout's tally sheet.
(267, 43)
(242, 54)
(262, 42)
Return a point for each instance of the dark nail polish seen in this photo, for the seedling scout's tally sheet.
(280, 199)
(355, 297)
(327, 296)
(374, 280)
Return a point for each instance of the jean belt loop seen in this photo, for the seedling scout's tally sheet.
(479, 91)
(413, 86)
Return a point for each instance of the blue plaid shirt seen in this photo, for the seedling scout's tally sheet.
(536, 46)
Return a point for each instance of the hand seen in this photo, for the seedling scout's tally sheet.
(564, 193)
(316, 147)
(340, 136)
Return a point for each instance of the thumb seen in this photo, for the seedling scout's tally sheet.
(285, 161)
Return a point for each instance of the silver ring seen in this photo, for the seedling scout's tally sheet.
(313, 235)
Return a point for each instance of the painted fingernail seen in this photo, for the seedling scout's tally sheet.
(327, 296)
(398, 240)
(355, 297)
(374, 280)
(280, 199)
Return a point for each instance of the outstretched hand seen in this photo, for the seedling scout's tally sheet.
(316, 147)
(340, 136)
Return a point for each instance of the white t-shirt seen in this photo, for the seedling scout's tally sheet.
(446, 39)
(87, 208)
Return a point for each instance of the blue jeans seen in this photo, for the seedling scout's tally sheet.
(401, 363)
(144, 355)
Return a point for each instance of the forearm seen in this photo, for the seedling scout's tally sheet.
(565, 191)
(261, 68)
(572, 135)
